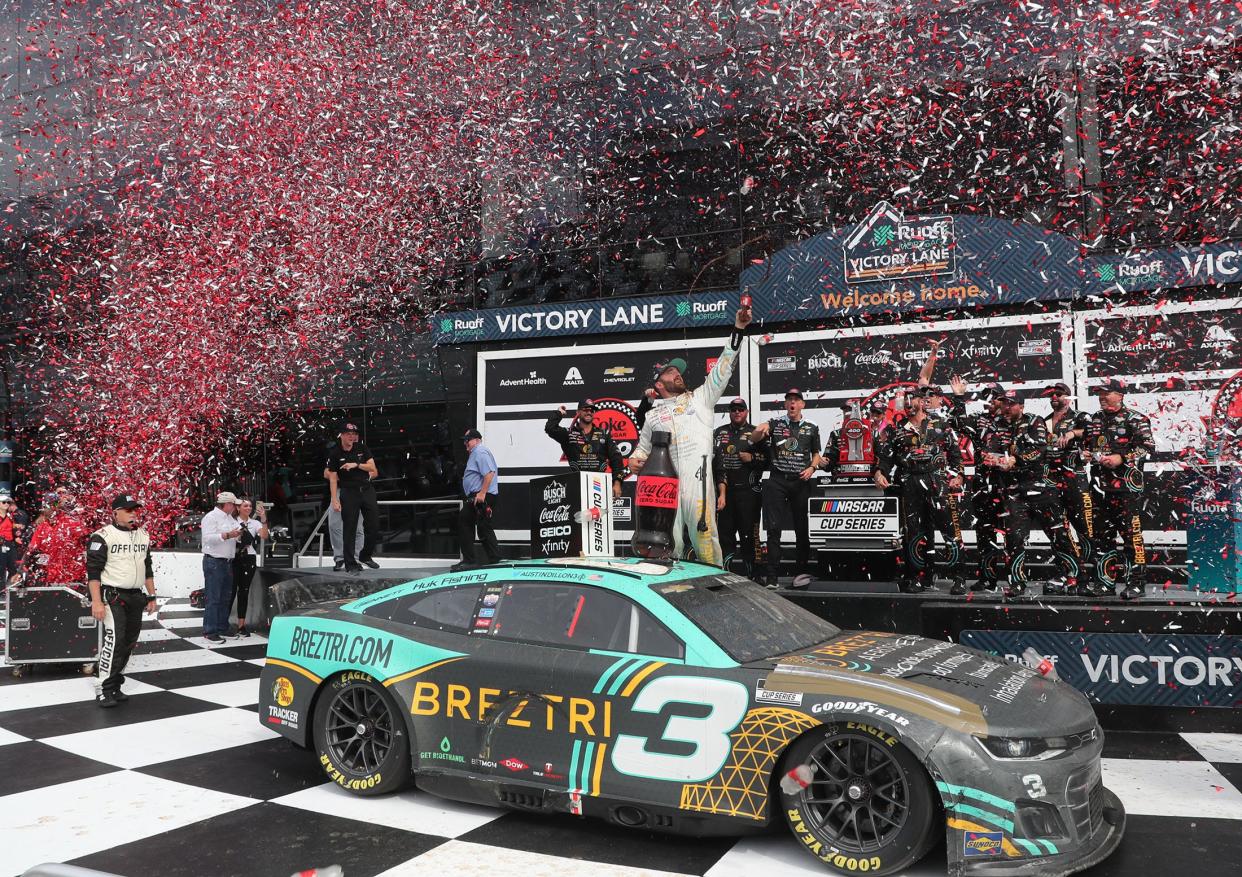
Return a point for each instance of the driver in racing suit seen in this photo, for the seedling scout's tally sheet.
(689, 418)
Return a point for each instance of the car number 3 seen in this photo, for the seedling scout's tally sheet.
(1034, 785)
(709, 734)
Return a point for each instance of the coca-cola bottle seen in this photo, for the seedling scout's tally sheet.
(655, 502)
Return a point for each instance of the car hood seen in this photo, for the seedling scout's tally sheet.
(956, 686)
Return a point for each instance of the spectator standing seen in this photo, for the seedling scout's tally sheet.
(350, 470)
(56, 545)
(12, 527)
(220, 534)
(122, 585)
(479, 492)
(246, 559)
(336, 530)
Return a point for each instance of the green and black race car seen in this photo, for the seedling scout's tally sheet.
(684, 699)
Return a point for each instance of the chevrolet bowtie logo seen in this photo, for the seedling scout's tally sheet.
(618, 371)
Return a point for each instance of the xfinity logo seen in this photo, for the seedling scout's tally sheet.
(978, 351)
(573, 378)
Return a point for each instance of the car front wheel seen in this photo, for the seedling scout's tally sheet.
(359, 737)
(867, 807)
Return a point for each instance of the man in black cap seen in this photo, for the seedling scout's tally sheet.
(122, 585)
(1118, 442)
(737, 470)
(794, 453)
(350, 468)
(586, 448)
(1031, 498)
(922, 459)
(479, 493)
(1066, 428)
(987, 497)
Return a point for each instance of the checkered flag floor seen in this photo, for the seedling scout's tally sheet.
(183, 781)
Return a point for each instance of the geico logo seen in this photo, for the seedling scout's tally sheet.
(547, 712)
(545, 532)
(328, 645)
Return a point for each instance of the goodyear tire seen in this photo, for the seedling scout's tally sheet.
(360, 737)
(869, 807)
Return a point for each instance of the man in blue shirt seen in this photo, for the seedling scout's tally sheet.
(479, 489)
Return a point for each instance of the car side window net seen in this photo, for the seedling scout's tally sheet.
(446, 609)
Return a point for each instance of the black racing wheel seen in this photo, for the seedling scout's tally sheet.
(360, 737)
(868, 807)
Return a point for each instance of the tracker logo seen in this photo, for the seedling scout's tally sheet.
(573, 378)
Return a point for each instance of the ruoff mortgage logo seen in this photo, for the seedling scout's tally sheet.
(461, 328)
(701, 310)
(1129, 274)
(888, 246)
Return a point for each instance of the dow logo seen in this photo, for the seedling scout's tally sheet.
(683, 308)
(1106, 273)
(882, 235)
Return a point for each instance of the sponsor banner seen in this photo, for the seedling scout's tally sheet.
(1152, 269)
(553, 503)
(837, 517)
(586, 318)
(1187, 670)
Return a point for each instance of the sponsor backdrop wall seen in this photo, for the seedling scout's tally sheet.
(1179, 360)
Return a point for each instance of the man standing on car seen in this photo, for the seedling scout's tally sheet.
(350, 470)
(689, 418)
(587, 448)
(479, 494)
(793, 451)
(122, 586)
(1119, 441)
(737, 470)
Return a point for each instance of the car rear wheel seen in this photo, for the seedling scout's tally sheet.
(360, 737)
(868, 807)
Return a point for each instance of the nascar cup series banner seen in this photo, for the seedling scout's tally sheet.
(1185, 670)
(887, 263)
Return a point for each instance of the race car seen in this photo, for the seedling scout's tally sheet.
(680, 698)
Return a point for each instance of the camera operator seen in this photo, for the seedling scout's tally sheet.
(246, 559)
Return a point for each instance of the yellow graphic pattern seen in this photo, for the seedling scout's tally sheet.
(741, 787)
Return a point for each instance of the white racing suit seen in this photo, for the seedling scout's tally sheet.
(690, 419)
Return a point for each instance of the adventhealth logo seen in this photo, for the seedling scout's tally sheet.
(882, 235)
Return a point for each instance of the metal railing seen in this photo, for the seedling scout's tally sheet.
(317, 530)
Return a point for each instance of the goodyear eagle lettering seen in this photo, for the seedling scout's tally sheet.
(328, 645)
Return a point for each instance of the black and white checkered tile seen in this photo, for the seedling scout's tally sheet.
(183, 781)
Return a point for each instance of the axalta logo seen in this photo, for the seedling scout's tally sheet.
(827, 360)
(573, 378)
(531, 380)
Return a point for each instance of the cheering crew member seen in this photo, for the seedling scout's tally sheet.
(987, 496)
(122, 585)
(922, 459)
(1030, 496)
(737, 470)
(350, 470)
(688, 418)
(1118, 441)
(586, 448)
(793, 448)
(1066, 428)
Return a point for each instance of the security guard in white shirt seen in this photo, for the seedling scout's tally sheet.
(122, 585)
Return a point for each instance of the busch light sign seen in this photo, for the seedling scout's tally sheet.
(1179, 670)
(888, 246)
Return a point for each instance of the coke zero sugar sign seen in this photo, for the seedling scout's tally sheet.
(656, 492)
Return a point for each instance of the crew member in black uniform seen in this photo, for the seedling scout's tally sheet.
(1066, 428)
(737, 470)
(1118, 441)
(793, 450)
(986, 493)
(122, 586)
(586, 448)
(350, 470)
(921, 458)
(1030, 498)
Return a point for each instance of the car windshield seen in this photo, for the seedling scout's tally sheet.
(745, 619)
